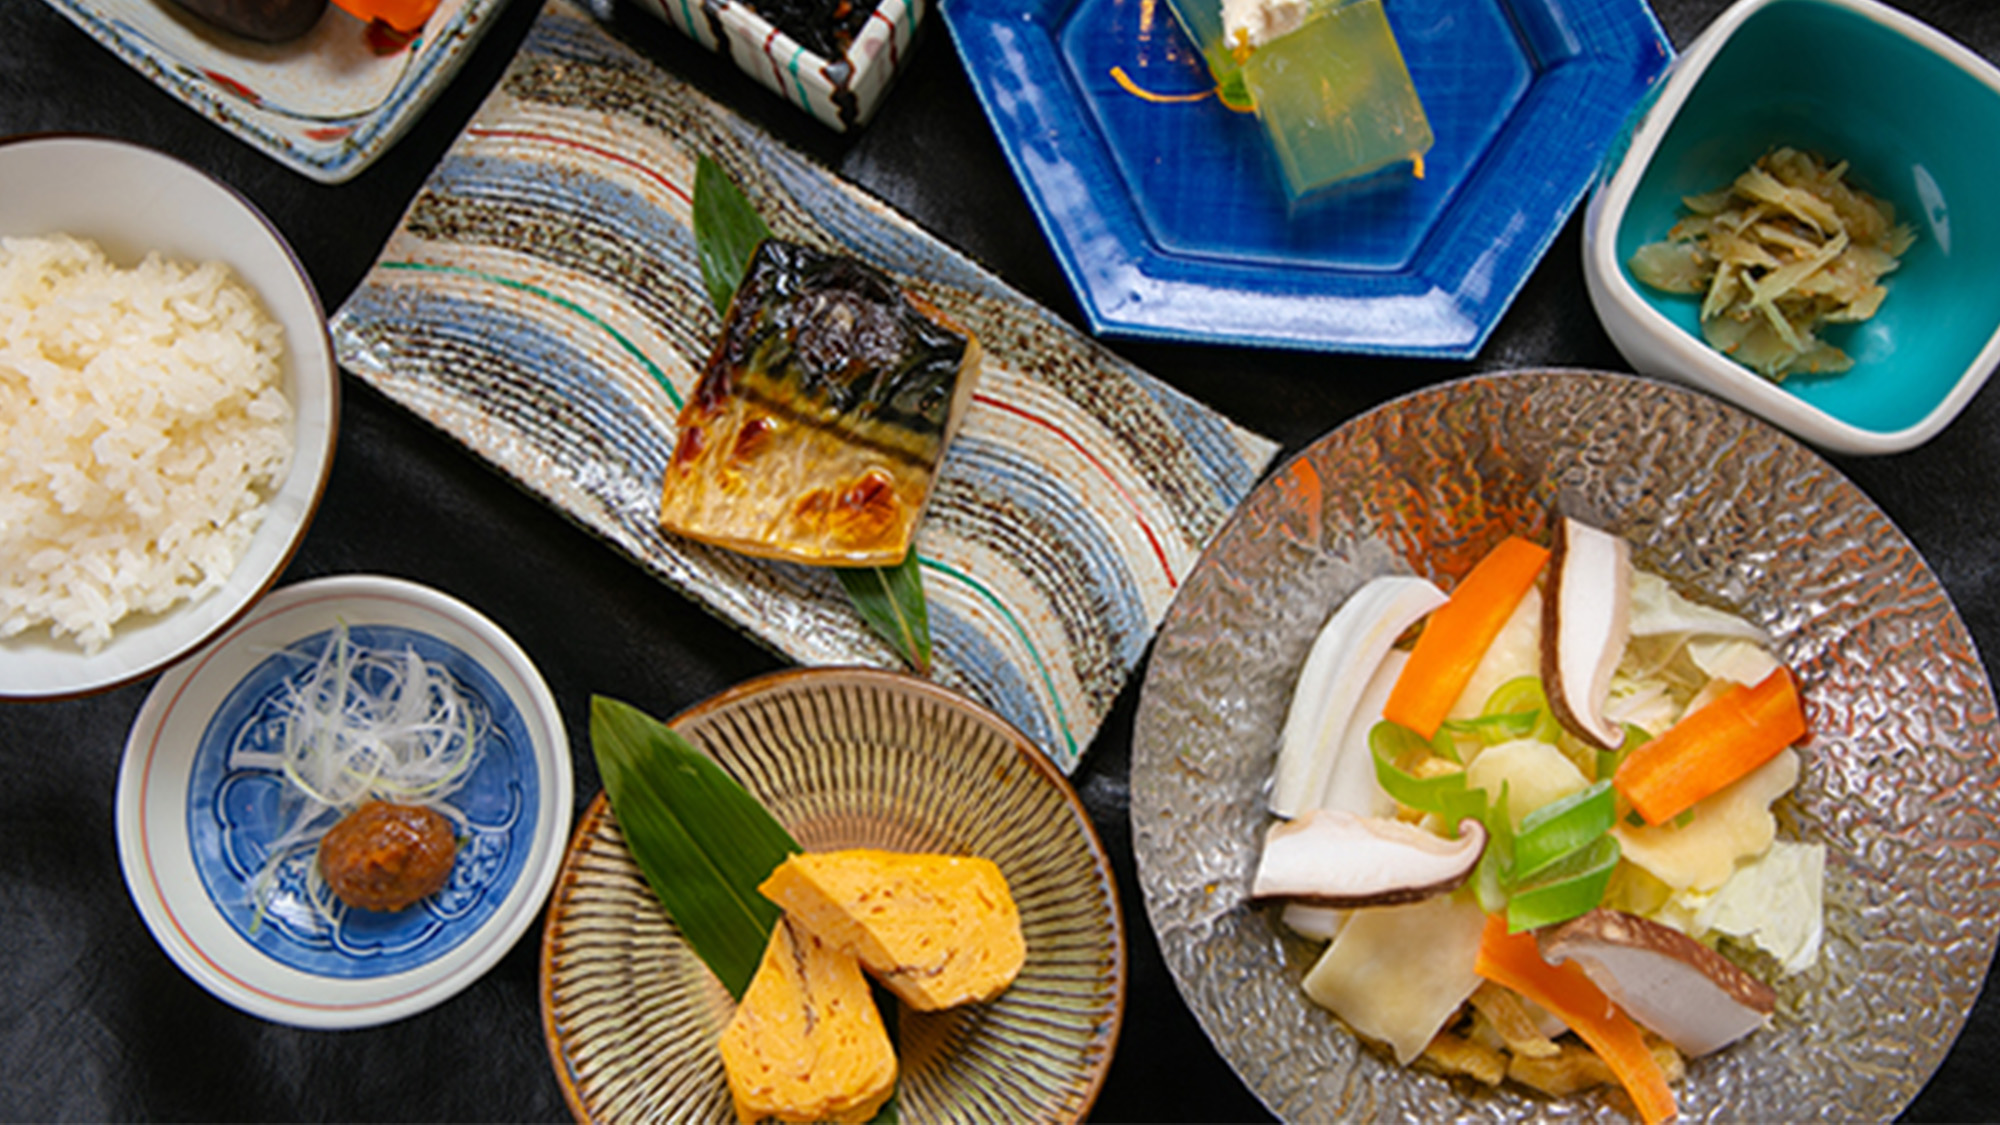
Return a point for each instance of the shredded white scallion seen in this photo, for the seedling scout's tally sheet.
(365, 724)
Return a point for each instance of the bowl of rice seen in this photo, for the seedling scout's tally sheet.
(168, 406)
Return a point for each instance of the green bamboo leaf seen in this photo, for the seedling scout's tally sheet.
(727, 229)
(703, 842)
(891, 600)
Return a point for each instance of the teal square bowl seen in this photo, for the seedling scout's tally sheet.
(1914, 113)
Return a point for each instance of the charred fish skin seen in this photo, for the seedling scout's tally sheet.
(839, 339)
(821, 416)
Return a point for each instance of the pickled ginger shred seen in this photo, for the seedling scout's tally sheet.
(1785, 250)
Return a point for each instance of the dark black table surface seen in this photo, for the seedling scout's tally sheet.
(97, 1023)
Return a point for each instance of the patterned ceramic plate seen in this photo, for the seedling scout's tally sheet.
(1899, 771)
(201, 801)
(541, 303)
(1169, 218)
(326, 104)
(850, 758)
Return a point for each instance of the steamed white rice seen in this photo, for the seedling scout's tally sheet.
(143, 428)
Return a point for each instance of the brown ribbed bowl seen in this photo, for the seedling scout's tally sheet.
(849, 758)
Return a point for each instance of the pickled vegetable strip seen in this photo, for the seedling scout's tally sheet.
(1712, 747)
(1515, 961)
(1457, 635)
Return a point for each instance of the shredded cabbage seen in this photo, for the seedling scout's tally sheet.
(1772, 901)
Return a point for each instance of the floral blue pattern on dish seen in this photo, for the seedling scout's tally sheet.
(236, 810)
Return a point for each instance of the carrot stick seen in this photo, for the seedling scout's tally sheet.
(1515, 961)
(1703, 753)
(1458, 634)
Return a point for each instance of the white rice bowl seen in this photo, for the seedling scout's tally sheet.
(163, 442)
(145, 429)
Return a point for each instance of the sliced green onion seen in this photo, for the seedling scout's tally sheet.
(1461, 805)
(1609, 760)
(1394, 744)
(1445, 744)
(1517, 709)
(1523, 699)
(1492, 730)
(1563, 827)
(1496, 864)
(1573, 887)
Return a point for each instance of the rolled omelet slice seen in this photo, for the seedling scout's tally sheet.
(806, 1043)
(937, 930)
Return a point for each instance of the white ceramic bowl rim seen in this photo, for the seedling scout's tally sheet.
(154, 848)
(1607, 210)
(34, 666)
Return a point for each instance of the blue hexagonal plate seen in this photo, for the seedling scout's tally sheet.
(1169, 218)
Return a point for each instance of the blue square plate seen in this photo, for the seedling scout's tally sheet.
(1169, 217)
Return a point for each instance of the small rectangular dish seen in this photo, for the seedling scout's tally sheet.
(841, 93)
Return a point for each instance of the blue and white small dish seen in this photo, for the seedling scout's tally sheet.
(200, 801)
(1170, 219)
(1916, 132)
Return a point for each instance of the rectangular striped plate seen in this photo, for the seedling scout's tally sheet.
(540, 303)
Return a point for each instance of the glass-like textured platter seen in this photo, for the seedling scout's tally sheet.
(541, 303)
(326, 104)
(850, 758)
(1901, 763)
(1169, 218)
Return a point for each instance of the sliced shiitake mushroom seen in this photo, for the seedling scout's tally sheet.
(1586, 619)
(1335, 858)
(1673, 985)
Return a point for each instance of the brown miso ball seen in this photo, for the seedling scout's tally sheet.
(385, 856)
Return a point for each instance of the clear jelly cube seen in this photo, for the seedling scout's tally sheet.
(1336, 101)
(1334, 96)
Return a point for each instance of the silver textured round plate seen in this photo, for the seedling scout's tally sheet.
(1900, 765)
(850, 758)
